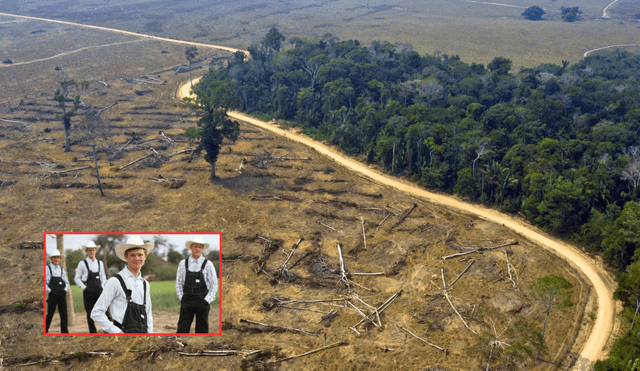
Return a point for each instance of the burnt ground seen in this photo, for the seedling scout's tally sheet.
(283, 192)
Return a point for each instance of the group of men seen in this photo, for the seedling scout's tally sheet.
(122, 304)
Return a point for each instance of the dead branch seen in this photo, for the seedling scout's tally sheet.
(311, 301)
(378, 310)
(460, 275)
(15, 122)
(367, 274)
(509, 268)
(384, 220)
(285, 328)
(339, 344)
(170, 142)
(299, 260)
(364, 236)
(106, 108)
(371, 307)
(446, 295)
(479, 249)
(404, 215)
(179, 152)
(134, 161)
(300, 308)
(419, 338)
(333, 229)
(66, 171)
(395, 208)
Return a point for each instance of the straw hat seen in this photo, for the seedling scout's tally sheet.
(55, 253)
(198, 240)
(89, 245)
(133, 242)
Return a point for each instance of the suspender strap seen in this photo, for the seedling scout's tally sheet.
(203, 264)
(87, 265)
(127, 292)
(186, 264)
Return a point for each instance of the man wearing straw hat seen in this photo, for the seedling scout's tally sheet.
(90, 277)
(126, 295)
(196, 287)
(57, 287)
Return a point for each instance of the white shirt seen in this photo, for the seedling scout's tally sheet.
(114, 299)
(210, 277)
(56, 271)
(82, 274)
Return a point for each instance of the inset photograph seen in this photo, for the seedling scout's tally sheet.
(132, 283)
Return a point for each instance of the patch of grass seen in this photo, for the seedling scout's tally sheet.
(19, 306)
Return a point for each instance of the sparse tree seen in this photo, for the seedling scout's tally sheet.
(96, 132)
(431, 90)
(190, 53)
(60, 96)
(570, 14)
(214, 97)
(553, 292)
(533, 13)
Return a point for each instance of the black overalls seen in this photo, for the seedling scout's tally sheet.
(57, 298)
(135, 317)
(193, 303)
(91, 293)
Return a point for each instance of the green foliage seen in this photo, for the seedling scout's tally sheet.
(533, 13)
(554, 142)
(190, 53)
(570, 14)
(213, 98)
(273, 40)
(19, 306)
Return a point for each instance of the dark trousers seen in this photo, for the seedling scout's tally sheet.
(189, 309)
(90, 297)
(59, 301)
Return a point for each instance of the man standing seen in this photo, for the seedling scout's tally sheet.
(57, 287)
(126, 294)
(196, 287)
(90, 277)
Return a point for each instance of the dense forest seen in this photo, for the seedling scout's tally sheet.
(559, 145)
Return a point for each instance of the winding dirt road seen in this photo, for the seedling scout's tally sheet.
(602, 283)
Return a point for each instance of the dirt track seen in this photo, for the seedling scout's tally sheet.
(602, 283)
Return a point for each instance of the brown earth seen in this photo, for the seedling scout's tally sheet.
(284, 191)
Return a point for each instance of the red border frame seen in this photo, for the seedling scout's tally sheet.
(44, 284)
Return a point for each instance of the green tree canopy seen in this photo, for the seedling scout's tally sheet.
(533, 13)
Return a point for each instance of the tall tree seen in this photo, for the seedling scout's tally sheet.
(273, 40)
(553, 292)
(60, 96)
(190, 53)
(213, 98)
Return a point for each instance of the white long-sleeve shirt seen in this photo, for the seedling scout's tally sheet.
(114, 299)
(210, 277)
(82, 273)
(56, 271)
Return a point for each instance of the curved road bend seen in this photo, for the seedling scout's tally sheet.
(602, 284)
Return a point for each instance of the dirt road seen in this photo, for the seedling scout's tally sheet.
(602, 283)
